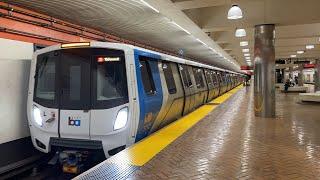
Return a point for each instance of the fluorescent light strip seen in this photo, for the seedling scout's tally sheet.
(244, 43)
(245, 50)
(180, 27)
(309, 46)
(147, 4)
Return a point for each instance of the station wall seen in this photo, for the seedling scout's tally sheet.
(15, 60)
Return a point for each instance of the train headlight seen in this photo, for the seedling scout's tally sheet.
(37, 115)
(121, 120)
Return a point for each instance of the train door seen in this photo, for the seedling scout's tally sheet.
(201, 87)
(193, 88)
(75, 96)
(209, 84)
(173, 95)
(221, 85)
(223, 82)
(187, 86)
(205, 88)
(227, 81)
(215, 82)
(150, 91)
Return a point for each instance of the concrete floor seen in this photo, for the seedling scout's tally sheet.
(231, 143)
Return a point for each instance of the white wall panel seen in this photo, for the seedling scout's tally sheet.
(15, 59)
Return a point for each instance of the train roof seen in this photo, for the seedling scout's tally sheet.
(128, 47)
(183, 61)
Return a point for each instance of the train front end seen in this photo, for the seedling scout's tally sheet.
(78, 98)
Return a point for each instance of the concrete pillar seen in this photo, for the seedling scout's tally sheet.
(317, 75)
(300, 75)
(264, 79)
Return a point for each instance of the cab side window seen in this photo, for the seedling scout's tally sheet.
(146, 75)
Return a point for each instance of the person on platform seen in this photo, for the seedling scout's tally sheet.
(296, 80)
(248, 77)
(287, 85)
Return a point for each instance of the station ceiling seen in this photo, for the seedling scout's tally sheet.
(134, 20)
(297, 24)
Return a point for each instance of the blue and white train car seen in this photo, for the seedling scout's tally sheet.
(108, 96)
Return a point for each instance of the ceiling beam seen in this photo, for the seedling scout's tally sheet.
(193, 4)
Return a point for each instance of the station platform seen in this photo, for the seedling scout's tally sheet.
(224, 140)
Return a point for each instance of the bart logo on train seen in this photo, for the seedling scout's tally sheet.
(74, 121)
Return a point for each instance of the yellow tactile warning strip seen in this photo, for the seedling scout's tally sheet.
(145, 150)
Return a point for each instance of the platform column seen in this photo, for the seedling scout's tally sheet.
(264, 80)
(317, 75)
(300, 75)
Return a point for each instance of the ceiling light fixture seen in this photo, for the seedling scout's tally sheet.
(300, 52)
(247, 57)
(293, 56)
(247, 54)
(311, 46)
(147, 4)
(180, 27)
(245, 50)
(244, 43)
(235, 12)
(240, 33)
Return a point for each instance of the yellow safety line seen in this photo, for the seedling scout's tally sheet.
(143, 151)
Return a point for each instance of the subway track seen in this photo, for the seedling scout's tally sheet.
(40, 170)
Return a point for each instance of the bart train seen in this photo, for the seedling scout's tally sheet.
(108, 96)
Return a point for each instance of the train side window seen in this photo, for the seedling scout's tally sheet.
(185, 75)
(223, 80)
(146, 76)
(198, 77)
(201, 78)
(169, 77)
(219, 78)
(214, 78)
(188, 73)
(208, 77)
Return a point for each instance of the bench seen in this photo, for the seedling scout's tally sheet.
(310, 97)
(301, 89)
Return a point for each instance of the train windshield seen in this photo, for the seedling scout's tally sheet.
(86, 78)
